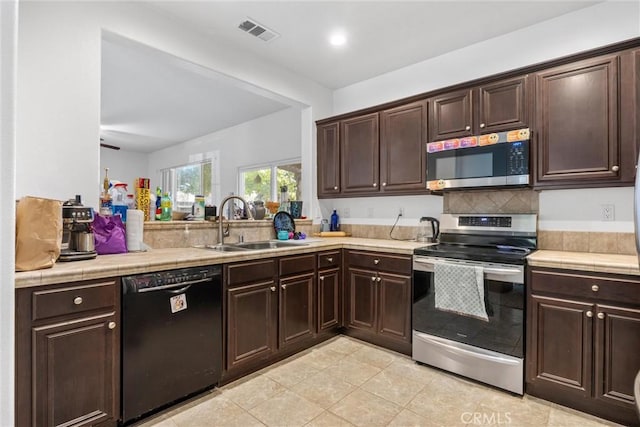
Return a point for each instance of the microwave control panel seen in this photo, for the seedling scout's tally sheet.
(518, 158)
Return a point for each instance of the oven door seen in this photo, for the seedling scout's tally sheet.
(504, 303)
(489, 165)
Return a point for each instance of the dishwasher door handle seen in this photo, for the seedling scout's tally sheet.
(183, 286)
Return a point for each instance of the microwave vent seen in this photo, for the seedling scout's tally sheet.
(258, 30)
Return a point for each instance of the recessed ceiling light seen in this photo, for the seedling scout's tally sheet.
(337, 39)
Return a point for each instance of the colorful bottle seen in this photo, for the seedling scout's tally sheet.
(166, 207)
(158, 201)
(106, 204)
(335, 224)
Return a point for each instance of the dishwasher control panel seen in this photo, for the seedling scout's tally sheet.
(171, 278)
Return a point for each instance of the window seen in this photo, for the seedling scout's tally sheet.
(186, 182)
(257, 183)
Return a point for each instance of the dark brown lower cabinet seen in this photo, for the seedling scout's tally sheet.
(378, 299)
(583, 341)
(329, 291)
(68, 354)
(297, 311)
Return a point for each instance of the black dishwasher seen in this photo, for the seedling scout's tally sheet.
(171, 337)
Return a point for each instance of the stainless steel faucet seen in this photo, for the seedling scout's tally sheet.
(224, 201)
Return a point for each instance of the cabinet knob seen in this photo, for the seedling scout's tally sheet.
(601, 315)
(378, 279)
(615, 168)
(77, 300)
(335, 188)
(384, 184)
(376, 261)
(330, 259)
(595, 288)
(373, 279)
(284, 286)
(273, 288)
(375, 184)
(589, 313)
(481, 125)
(467, 128)
(112, 325)
(321, 278)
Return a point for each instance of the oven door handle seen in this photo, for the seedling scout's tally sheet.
(488, 270)
(477, 354)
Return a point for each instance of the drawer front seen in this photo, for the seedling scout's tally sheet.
(329, 260)
(297, 264)
(48, 303)
(381, 262)
(613, 288)
(248, 272)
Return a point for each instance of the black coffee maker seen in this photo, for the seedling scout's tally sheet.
(77, 233)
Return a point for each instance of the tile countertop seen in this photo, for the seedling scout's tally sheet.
(167, 259)
(585, 261)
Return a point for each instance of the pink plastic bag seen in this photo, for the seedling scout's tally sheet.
(110, 235)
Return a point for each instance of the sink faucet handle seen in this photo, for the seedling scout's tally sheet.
(241, 238)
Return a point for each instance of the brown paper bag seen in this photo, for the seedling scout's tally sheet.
(38, 233)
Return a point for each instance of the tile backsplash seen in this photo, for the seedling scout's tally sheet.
(516, 201)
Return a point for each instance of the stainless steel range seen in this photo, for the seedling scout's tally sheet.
(469, 297)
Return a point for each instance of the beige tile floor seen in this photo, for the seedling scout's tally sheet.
(346, 382)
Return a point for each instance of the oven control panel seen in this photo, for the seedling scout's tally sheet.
(485, 221)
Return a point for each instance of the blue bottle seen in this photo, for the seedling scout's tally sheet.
(335, 226)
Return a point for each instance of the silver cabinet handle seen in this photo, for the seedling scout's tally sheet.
(375, 184)
(589, 313)
(77, 300)
(481, 125)
(273, 288)
(467, 128)
(615, 168)
(330, 259)
(373, 279)
(284, 286)
(378, 279)
(335, 188)
(384, 184)
(376, 261)
(601, 315)
(112, 325)
(595, 288)
(321, 278)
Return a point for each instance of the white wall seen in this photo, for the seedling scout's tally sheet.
(266, 139)
(8, 51)
(124, 166)
(58, 102)
(599, 25)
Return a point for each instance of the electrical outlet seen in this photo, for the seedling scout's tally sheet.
(608, 212)
(401, 211)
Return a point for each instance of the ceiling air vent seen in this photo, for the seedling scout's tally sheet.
(258, 30)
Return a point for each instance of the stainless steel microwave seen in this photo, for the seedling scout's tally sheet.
(496, 159)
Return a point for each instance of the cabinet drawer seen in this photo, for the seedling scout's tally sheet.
(297, 264)
(593, 286)
(371, 260)
(48, 303)
(328, 260)
(249, 272)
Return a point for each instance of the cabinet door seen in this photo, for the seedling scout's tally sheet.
(76, 372)
(360, 154)
(362, 299)
(328, 159)
(394, 313)
(503, 105)
(452, 115)
(403, 134)
(328, 299)
(297, 315)
(251, 323)
(560, 345)
(577, 123)
(617, 354)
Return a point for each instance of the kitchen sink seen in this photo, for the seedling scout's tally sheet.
(222, 248)
(269, 244)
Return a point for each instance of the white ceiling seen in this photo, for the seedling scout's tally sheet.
(142, 112)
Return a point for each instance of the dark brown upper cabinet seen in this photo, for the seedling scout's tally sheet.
(329, 159)
(492, 107)
(452, 115)
(586, 121)
(403, 134)
(360, 154)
